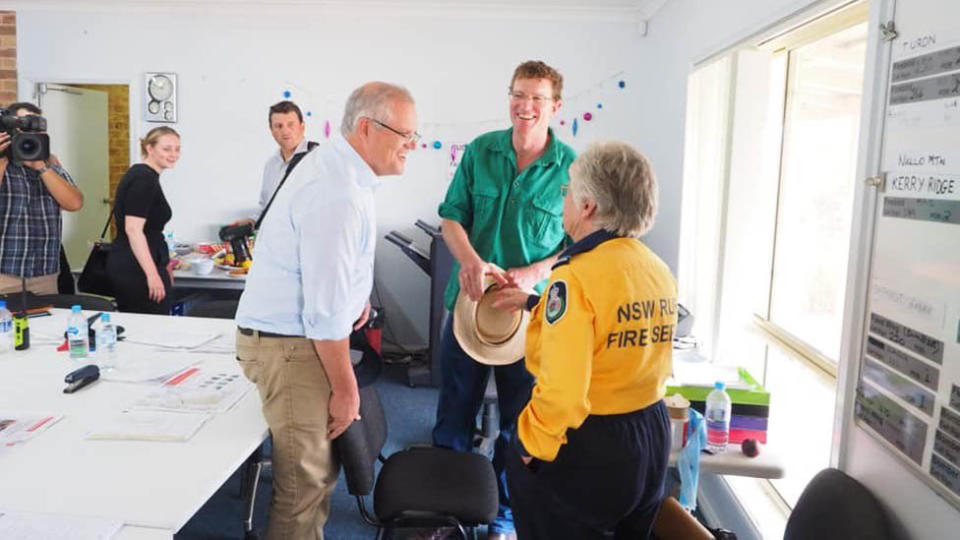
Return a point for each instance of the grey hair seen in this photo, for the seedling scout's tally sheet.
(620, 180)
(372, 100)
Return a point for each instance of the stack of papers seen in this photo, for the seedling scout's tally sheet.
(196, 390)
(149, 426)
(40, 526)
(706, 374)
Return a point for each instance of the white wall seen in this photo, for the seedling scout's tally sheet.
(231, 67)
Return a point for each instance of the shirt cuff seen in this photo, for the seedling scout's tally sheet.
(448, 211)
(328, 328)
(532, 301)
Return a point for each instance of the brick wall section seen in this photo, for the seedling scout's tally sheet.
(8, 57)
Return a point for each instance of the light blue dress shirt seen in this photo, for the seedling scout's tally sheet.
(312, 267)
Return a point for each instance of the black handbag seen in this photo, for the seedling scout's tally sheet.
(94, 278)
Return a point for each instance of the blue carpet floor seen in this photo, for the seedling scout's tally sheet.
(410, 417)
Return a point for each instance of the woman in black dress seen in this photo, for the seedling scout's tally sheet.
(137, 264)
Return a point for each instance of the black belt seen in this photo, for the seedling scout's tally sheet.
(251, 332)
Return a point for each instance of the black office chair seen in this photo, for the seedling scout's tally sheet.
(834, 506)
(88, 302)
(416, 487)
(215, 309)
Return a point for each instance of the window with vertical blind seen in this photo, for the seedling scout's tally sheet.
(770, 156)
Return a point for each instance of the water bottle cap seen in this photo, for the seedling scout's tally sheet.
(720, 385)
(105, 317)
(75, 308)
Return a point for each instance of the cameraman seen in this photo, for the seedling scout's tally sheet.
(31, 196)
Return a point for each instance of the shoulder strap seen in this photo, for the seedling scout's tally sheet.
(290, 166)
(106, 225)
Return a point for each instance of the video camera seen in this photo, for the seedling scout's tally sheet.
(26, 143)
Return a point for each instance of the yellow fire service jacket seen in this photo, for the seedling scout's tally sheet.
(599, 341)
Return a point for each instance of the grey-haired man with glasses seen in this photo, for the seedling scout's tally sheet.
(306, 292)
(502, 216)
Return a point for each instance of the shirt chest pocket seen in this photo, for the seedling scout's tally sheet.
(543, 221)
(485, 200)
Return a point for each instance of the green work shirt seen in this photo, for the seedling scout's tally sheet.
(512, 219)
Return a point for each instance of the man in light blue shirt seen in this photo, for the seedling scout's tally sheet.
(308, 289)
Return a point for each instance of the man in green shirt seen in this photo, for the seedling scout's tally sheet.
(502, 216)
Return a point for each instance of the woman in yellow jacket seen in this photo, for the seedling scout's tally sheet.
(593, 442)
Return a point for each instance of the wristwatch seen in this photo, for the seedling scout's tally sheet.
(45, 168)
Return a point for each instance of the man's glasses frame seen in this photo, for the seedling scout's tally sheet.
(537, 99)
(407, 137)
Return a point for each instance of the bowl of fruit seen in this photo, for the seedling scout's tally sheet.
(227, 261)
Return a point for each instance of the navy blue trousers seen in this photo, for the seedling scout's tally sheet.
(606, 482)
(463, 384)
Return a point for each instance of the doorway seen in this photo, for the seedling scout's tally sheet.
(89, 126)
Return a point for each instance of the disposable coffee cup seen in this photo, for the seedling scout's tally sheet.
(677, 409)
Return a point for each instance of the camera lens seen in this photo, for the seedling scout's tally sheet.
(28, 146)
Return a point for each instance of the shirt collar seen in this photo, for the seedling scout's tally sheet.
(587, 243)
(550, 155)
(301, 148)
(365, 176)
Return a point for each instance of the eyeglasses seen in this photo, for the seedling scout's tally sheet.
(537, 99)
(413, 137)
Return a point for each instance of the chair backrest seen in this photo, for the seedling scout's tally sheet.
(359, 446)
(87, 302)
(215, 309)
(834, 506)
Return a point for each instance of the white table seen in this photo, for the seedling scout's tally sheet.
(152, 487)
(733, 461)
(217, 279)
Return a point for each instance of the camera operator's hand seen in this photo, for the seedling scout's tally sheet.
(243, 222)
(4, 145)
(36, 165)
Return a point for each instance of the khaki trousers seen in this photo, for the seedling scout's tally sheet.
(36, 285)
(295, 393)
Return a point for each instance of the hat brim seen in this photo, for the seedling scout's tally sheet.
(465, 331)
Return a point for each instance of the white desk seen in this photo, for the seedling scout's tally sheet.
(217, 279)
(153, 487)
(733, 461)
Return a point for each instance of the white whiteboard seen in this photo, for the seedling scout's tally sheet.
(908, 387)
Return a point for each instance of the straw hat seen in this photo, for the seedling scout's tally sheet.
(489, 335)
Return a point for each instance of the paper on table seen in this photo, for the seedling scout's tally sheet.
(138, 365)
(706, 374)
(17, 428)
(224, 344)
(27, 526)
(196, 390)
(149, 426)
(173, 340)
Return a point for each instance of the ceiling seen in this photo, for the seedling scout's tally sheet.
(636, 10)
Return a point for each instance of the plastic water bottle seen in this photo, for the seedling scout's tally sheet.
(78, 339)
(106, 343)
(171, 243)
(6, 328)
(718, 418)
